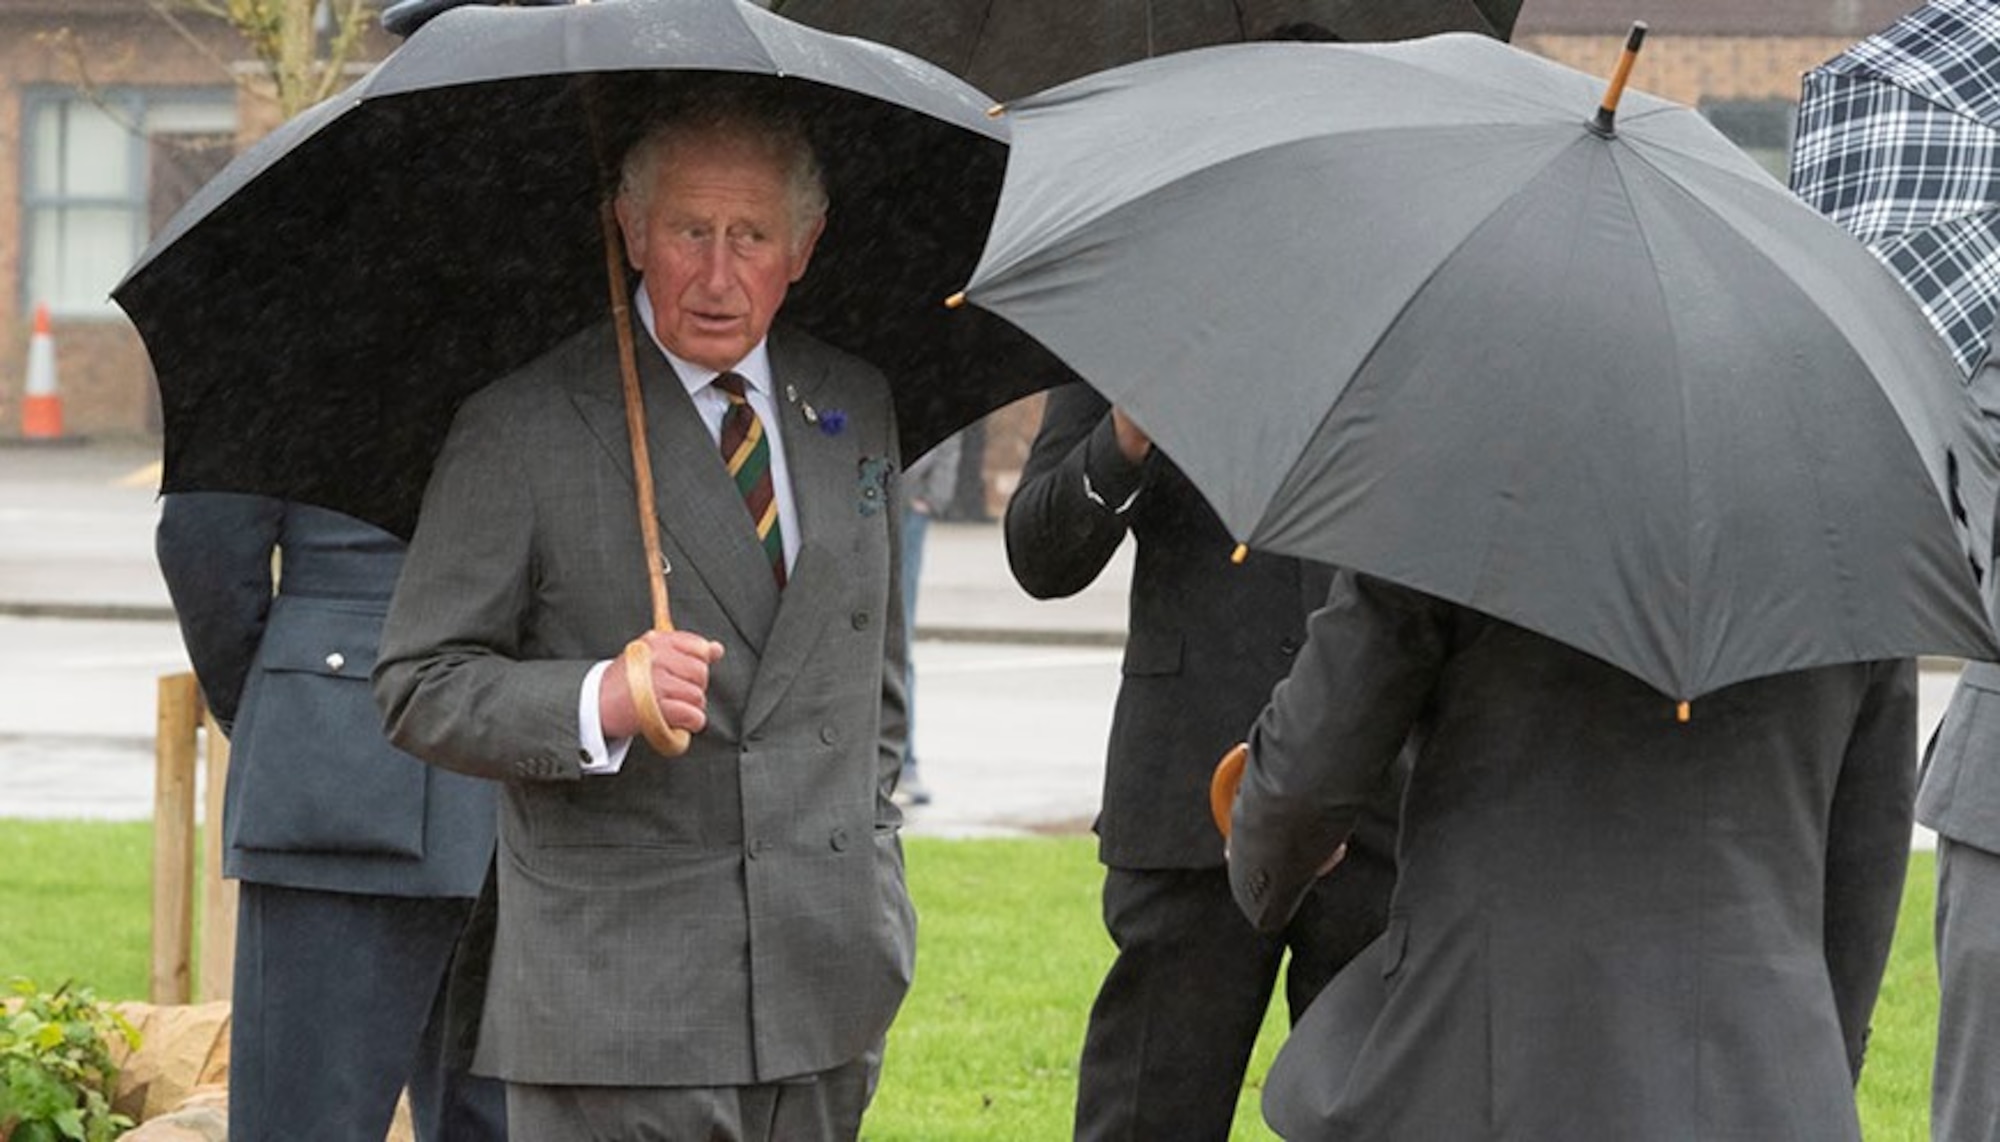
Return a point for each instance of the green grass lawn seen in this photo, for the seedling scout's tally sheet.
(1011, 949)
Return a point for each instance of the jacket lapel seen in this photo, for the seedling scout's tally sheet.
(704, 532)
(823, 468)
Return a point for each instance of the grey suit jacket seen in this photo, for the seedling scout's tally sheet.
(1608, 924)
(316, 796)
(1960, 791)
(733, 915)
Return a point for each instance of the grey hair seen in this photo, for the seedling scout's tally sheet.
(779, 134)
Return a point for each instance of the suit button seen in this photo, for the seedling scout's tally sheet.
(1289, 646)
(838, 840)
(756, 848)
(335, 661)
(860, 620)
(828, 734)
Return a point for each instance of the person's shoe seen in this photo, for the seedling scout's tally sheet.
(910, 791)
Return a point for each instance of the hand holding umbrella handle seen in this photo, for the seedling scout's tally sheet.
(1223, 785)
(637, 662)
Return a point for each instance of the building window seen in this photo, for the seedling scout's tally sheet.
(96, 168)
(1761, 127)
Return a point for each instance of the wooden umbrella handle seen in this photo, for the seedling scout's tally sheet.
(638, 659)
(637, 662)
(1223, 785)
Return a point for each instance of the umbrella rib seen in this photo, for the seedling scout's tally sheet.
(978, 36)
(1688, 639)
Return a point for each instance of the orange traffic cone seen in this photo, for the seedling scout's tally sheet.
(41, 411)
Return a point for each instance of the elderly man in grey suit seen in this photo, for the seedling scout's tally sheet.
(1959, 797)
(710, 945)
(1607, 923)
(358, 864)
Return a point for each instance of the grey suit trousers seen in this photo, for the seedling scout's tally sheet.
(1965, 1098)
(823, 1107)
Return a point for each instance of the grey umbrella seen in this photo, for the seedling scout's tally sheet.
(1008, 48)
(1406, 308)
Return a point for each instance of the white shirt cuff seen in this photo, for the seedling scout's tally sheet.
(605, 757)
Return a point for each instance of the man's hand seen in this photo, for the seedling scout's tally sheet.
(679, 683)
(1132, 440)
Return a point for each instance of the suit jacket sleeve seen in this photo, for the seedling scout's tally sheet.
(457, 681)
(1058, 539)
(1868, 847)
(1333, 730)
(215, 553)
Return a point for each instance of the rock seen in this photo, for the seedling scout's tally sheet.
(181, 1049)
(203, 1118)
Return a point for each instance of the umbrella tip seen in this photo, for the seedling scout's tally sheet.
(1685, 712)
(955, 300)
(1241, 553)
(1607, 111)
(997, 110)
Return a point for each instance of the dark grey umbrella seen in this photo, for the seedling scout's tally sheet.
(318, 310)
(1008, 48)
(1406, 308)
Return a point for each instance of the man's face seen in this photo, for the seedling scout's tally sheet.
(718, 246)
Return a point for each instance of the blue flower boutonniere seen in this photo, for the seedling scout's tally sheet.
(832, 421)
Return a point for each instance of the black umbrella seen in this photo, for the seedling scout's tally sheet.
(1011, 47)
(317, 311)
(1408, 309)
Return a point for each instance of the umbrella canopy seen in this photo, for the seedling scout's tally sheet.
(1899, 141)
(1404, 308)
(1011, 47)
(317, 311)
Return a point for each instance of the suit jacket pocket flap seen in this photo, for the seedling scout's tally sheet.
(310, 768)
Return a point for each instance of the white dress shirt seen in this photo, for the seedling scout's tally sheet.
(712, 403)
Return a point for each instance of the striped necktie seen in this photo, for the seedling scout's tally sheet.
(747, 452)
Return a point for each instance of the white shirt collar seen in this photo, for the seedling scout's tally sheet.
(755, 368)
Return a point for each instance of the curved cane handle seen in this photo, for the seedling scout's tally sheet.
(1222, 787)
(638, 663)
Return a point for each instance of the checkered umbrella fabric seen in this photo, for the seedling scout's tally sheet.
(1899, 142)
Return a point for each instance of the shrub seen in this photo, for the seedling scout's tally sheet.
(55, 1066)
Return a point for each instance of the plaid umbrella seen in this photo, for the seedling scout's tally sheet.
(1899, 141)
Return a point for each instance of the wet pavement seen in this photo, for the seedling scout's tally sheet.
(1013, 694)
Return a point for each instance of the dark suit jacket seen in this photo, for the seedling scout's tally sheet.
(1607, 923)
(734, 915)
(316, 798)
(1207, 639)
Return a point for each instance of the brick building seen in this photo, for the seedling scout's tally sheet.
(92, 161)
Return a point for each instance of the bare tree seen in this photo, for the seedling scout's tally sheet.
(302, 48)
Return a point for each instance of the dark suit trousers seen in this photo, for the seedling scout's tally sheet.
(1178, 1013)
(339, 1004)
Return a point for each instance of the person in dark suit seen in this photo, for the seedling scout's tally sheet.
(358, 864)
(1174, 1023)
(709, 945)
(1607, 923)
(1958, 796)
